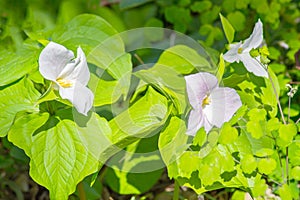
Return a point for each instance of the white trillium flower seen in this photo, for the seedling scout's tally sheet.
(70, 75)
(241, 52)
(211, 105)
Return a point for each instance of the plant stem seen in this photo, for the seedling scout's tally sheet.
(81, 191)
(277, 98)
(287, 165)
(289, 109)
(176, 191)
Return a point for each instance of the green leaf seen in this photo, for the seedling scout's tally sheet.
(221, 68)
(184, 59)
(173, 142)
(16, 65)
(255, 128)
(200, 137)
(227, 134)
(287, 132)
(256, 114)
(264, 152)
(179, 16)
(201, 6)
(142, 118)
(62, 155)
(295, 173)
(125, 4)
(86, 31)
(248, 163)
(21, 96)
(266, 165)
(21, 131)
(130, 168)
(228, 29)
(237, 19)
(285, 192)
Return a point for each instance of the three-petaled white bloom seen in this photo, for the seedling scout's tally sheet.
(241, 52)
(211, 105)
(70, 75)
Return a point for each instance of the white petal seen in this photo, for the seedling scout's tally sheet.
(198, 86)
(255, 39)
(232, 54)
(253, 65)
(53, 59)
(224, 103)
(80, 96)
(81, 71)
(194, 122)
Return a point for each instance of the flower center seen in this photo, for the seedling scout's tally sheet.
(240, 50)
(206, 101)
(64, 83)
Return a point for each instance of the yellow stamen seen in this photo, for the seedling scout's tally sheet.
(64, 83)
(240, 50)
(206, 101)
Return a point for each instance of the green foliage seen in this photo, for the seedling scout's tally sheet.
(140, 116)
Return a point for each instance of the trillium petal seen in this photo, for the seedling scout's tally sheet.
(53, 59)
(80, 96)
(252, 65)
(195, 122)
(232, 54)
(81, 71)
(198, 86)
(255, 39)
(224, 103)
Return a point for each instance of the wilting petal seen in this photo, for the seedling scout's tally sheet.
(80, 96)
(53, 59)
(255, 39)
(198, 86)
(253, 65)
(224, 103)
(232, 54)
(194, 122)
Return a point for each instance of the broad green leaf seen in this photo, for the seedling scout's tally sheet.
(266, 165)
(256, 114)
(237, 19)
(248, 163)
(169, 82)
(22, 96)
(14, 66)
(130, 168)
(183, 59)
(295, 173)
(285, 192)
(255, 128)
(173, 141)
(125, 4)
(87, 31)
(227, 134)
(228, 29)
(141, 119)
(287, 132)
(105, 92)
(62, 155)
(24, 126)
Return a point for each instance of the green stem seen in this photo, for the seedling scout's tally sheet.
(81, 191)
(176, 191)
(277, 98)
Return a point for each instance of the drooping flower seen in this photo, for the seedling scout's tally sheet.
(211, 105)
(70, 75)
(241, 52)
